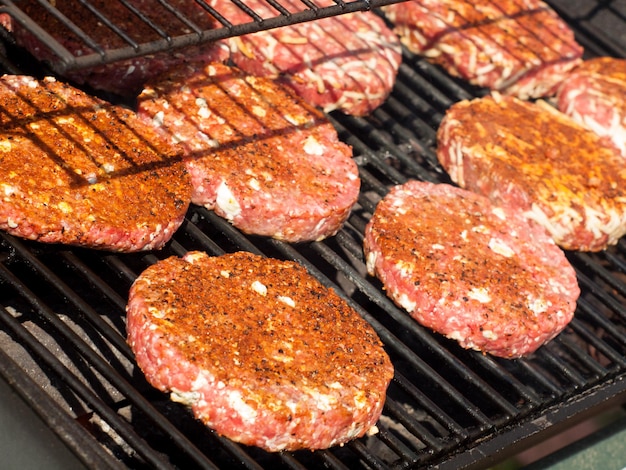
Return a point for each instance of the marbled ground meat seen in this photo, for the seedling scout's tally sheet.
(593, 95)
(537, 160)
(347, 63)
(520, 47)
(476, 273)
(258, 155)
(79, 171)
(259, 349)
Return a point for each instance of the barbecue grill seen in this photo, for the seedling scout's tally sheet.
(62, 309)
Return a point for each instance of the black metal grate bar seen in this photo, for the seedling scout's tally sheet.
(88, 449)
(168, 42)
(98, 363)
(77, 386)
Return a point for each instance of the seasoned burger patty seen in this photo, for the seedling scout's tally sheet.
(259, 349)
(348, 62)
(76, 170)
(520, 47)
(540, 162)
(593, 95)
(259, 156)
(124, 77)
(476, 273)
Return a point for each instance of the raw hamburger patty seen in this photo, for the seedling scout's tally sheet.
(258, 156)
(520, 48)
(540, 162)
(259, 349)
(124, 77)
(76, 170)
(348, 62)
(476, 273)
(593, 95)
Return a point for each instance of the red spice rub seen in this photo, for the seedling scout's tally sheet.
(260, 350)
(76, 170)
(476, 273)
(258, 156)
(538, 161)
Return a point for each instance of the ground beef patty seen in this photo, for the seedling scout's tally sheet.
(261, 351)
(258, 156)
(76, 170)
(593, 95)
(518, 47)
(538, 161)
(124, 77)
(348, 62)
(476, 273)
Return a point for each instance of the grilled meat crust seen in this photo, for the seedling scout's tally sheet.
(593, 95)
(79, 171)
(125, 77)
(347, 63)
(261, 351)
(476, 273)
(258, 155)
(540, 162)
(520, 48)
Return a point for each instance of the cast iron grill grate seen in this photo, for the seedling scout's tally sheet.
(165, 40)
(62, 332)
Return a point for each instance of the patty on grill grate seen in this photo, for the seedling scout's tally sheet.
(537, 160)
(124, 77)
(482, 275)
(593, 95)
(258, 155)
(259, 349)
(76, 170)
(520, 48)
(347, 63)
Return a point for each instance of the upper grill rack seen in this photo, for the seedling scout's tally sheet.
(62, 332)
(168, 41)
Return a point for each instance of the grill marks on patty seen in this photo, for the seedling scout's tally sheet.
(476, 273)
(258, 155)
(79, 171)
(347, 63)
(538, 161)
(261, 351)
(521, 48)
